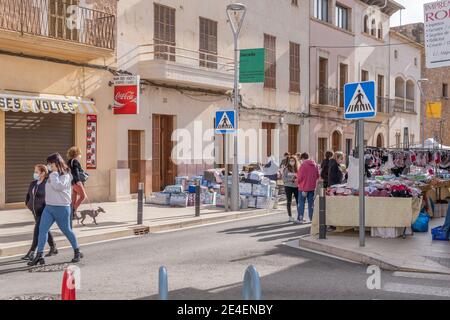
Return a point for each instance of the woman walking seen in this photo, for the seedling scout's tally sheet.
(290, 184)
(35, 201)
(78, 179)
(58, 193)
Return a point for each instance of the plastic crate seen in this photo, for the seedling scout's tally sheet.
(439, 234)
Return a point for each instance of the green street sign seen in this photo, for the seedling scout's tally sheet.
(251, 66)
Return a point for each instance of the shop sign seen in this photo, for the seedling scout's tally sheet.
(126, 94)
(41, 105)
(437, 34)
(91, 141)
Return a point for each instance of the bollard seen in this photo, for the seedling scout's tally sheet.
(163, 284)
(322, 212)
(251, 286)
(140, 206)
(197, 199)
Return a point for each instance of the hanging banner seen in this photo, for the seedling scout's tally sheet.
(126, 94)
(437, 34)
(91, 142)
(434, 110)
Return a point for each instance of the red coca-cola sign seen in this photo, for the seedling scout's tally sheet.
(126, 95)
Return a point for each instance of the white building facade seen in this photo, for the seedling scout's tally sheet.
(183, 52)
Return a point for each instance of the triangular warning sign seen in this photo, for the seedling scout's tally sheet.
(225, 123)
(359, 103)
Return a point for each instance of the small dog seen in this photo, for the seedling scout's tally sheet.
(92, 213)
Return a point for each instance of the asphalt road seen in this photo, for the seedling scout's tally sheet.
(209, 262)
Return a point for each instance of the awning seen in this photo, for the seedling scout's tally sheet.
(43, 103)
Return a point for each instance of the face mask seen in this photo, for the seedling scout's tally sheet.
(35, 176)
(49, 167)
(292, 163)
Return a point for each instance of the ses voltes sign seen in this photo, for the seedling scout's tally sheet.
(437, 34)
(126, 94)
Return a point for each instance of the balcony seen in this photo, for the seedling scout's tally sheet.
(326, 99)
(165, 63)
(404, 105)
(56, 29)
(384, 105)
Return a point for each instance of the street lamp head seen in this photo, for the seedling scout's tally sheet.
(423, 80)
(236, 7)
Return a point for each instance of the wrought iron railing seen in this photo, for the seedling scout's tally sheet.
(59, 19)
(385, 105)
(399, 104)
(328, 96)
(188, 57)
(410, 105)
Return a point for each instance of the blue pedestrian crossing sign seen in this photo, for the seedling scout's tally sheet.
(359, 100)
(225, 122)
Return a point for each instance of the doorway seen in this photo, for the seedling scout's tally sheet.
(323, 81)
(322, 149)
(164, 169)
(336, 141)
(267, 132)
(134, 159)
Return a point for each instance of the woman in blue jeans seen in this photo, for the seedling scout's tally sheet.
(58, 199)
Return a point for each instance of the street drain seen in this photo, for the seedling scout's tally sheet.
(50, 268)
(140, 231)
(36, 297)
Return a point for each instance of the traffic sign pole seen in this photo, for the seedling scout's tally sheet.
(362, 200)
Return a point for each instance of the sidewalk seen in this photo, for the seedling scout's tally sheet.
(417, 253)
(120, 220)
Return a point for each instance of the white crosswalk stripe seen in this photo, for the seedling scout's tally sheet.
(416, 289)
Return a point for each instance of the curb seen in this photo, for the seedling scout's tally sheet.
(358, 257)
(130, 230)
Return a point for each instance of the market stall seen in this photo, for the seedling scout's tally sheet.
(401, 185)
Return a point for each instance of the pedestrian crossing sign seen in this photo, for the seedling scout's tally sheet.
(225, 122)
(359, 100)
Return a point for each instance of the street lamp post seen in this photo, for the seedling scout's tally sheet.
(238, 10)
(423, 108)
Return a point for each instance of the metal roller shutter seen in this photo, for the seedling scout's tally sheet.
(29, 139)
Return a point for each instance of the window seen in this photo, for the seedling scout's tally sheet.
(323, 145)
(445, 90)
(343, 79)
(164, 32)
(395, 54)
(373, 28)
(366, 24)
(293, 138)
(294, 67)
(294, 3)
(364, 75)
(410, 95)
(208, 43)
(380, 31)
(398, 138)
(321, 10)
(268, 129)
(270, 80)
(342, 17)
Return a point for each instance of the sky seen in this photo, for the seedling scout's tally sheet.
(412, 13)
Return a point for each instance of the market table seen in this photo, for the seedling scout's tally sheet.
(343, 211)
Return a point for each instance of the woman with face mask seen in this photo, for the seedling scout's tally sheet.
(290, 183)
(35, 201)
(58, 199)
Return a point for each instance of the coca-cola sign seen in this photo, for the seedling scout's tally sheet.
(126, 95)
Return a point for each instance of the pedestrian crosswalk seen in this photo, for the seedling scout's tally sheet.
(432, 285)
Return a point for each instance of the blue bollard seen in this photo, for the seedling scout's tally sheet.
(252, 286)
(163, 284)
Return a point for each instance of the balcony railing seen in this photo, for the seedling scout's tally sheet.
(410, 105)
(384, 105)
(183, 56)
(59, 19)
(328, 96)
(399, 104)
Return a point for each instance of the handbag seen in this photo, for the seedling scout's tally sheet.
(83, 175)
